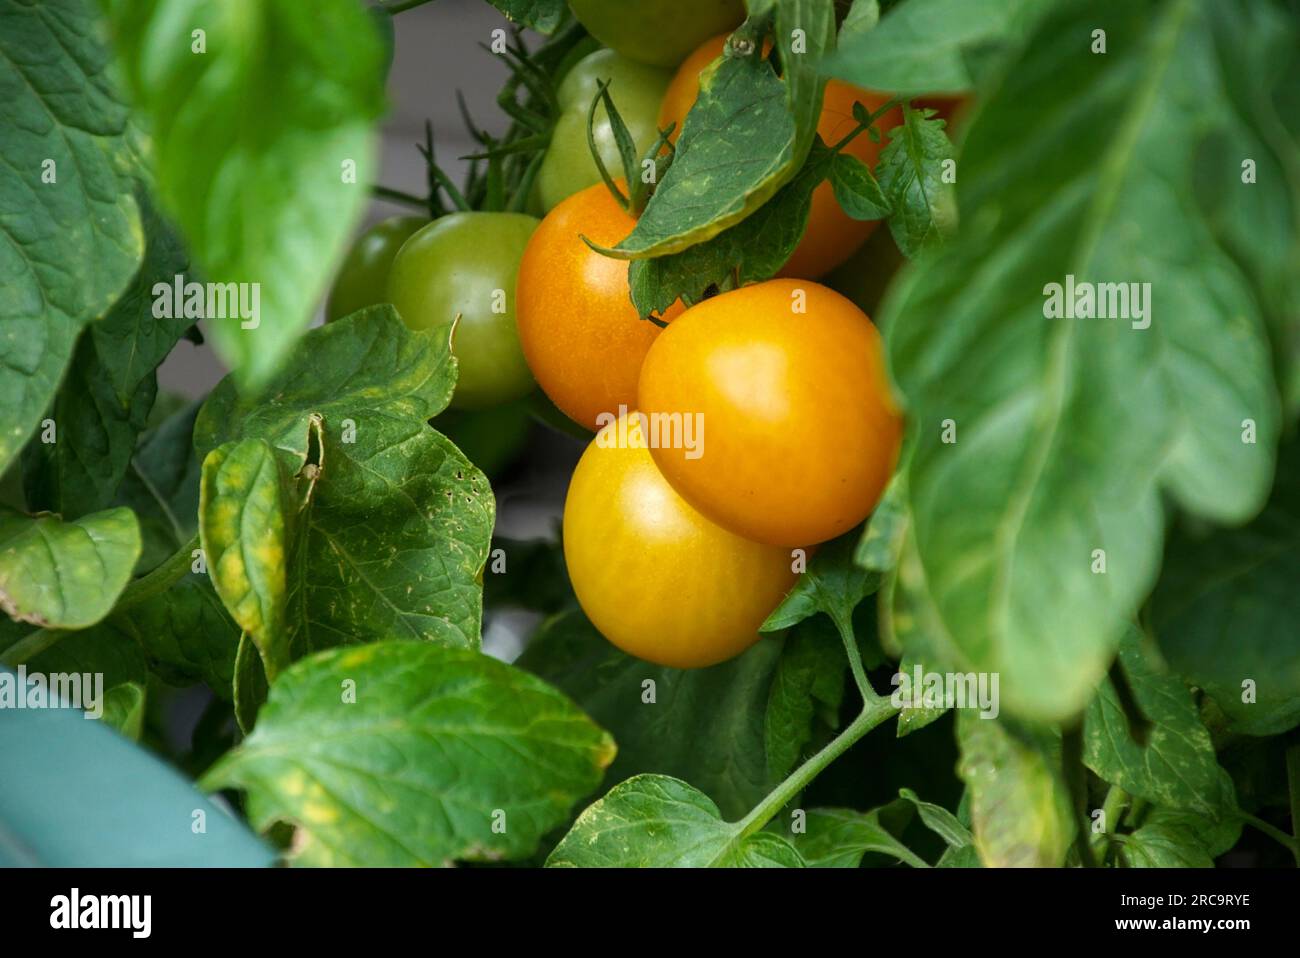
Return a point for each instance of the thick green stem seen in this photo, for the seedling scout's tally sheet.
(876, 711)
(141, 590)
(1273, 832)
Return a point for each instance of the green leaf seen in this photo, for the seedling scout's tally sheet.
(186, 633)
(914, 716)
(94, 438)
(1215, 836)
(745, 137)
(276, 204)
(244, 502)
(862, 17)
(1038, 474)
(67, 201)
(856, 190)
(104, 650)
(130, 341)
(1176, 766)
(911, 170)
(654, 821)
(708, 725)
(883, 535)
(967, 856)
(1226, 611)
(395, 532)
(162, 487)
(1020, 808)
(142, 814)
(753, 250)
(540, 15)
(65, 575)
(839, 837)
(404, 753)
(939, 820)
(833, 584)
(808, 682)
(1260, 227)
(124, 710)
(1163, 846)
(929, 46)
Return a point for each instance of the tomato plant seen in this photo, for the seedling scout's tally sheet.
(701, 592)
(892, 465)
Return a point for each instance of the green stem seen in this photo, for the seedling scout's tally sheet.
(140, 590)
(845, 628)
(398, 196)
(1272, 831)
(876, 711)
(1293, 784)
(1112, 810)
(863, 127)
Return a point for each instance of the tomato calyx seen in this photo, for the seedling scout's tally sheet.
(655, 160)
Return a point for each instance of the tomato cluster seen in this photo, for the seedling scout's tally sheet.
(755, 425)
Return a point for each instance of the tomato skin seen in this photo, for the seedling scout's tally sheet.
(800, 433)
(636, 90)
(658, 579)
(659, 32)
(362, 278)
(832, 235)
(465, 264)
(580, 333)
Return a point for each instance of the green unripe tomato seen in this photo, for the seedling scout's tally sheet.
(363, 276)
(465, 265)
(658, 32)
(637, 91)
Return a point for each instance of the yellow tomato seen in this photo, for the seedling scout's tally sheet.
(656, 578)
(799, 432)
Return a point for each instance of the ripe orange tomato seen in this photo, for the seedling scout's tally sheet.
(581, 336)
(800, 433)
(658, 579)
(832, 235)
